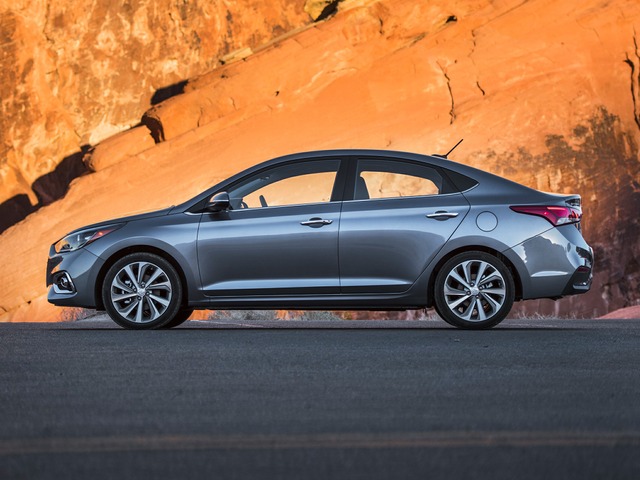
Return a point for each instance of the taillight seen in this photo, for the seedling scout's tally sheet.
(555, 215)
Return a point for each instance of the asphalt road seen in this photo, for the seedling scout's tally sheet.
(337, 399)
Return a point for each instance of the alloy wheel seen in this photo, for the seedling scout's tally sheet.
(474, 290)
(141, 292)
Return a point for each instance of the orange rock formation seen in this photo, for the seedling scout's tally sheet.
(75, 73)
(544, 93)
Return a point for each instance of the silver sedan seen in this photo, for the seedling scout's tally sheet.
(342, 230)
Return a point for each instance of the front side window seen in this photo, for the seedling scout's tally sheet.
(392, 179)
(291, 184)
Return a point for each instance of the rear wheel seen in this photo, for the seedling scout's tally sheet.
(474, 290)
(142, 291)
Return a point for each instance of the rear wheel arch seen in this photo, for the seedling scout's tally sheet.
(473, 248)
(138, 249)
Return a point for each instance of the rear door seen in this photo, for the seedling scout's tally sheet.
(396, 217)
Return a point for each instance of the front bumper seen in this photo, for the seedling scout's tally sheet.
(81, 267)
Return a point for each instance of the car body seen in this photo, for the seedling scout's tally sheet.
(340, 229)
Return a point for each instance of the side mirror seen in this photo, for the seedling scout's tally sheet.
(218, 203)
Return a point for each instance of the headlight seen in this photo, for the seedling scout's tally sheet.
(77, 240)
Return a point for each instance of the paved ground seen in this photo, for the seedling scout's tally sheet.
(336, 399)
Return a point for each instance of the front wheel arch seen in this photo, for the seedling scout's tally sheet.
(138, 249)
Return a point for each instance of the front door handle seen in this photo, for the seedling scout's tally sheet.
(442, 215)
(316, 222)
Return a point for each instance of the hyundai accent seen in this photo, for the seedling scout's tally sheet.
(334, 230)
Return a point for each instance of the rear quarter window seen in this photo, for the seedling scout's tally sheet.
(460, 182)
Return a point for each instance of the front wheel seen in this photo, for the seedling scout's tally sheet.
(142, 291)
(474, 290)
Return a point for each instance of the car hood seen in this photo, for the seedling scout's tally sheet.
(130, 218)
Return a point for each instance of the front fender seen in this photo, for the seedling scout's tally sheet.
(175, 236)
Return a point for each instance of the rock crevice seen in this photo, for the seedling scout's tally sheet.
(634, 65)
(452, 112)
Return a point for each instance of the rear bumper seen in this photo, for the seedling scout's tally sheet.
(553, 264)
(580, 281)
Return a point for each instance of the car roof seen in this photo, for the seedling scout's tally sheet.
(488, 179)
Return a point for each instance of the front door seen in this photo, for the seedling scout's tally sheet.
(279, 238)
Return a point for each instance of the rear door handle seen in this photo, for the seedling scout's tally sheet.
(441, 214)
(316, 222)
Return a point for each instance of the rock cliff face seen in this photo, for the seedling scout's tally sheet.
(544, 93)
(75, 73)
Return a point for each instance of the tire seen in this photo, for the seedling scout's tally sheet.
(181, 317)
(142, 291)
(464, 302)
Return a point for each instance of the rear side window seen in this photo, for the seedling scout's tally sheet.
(382, 178)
